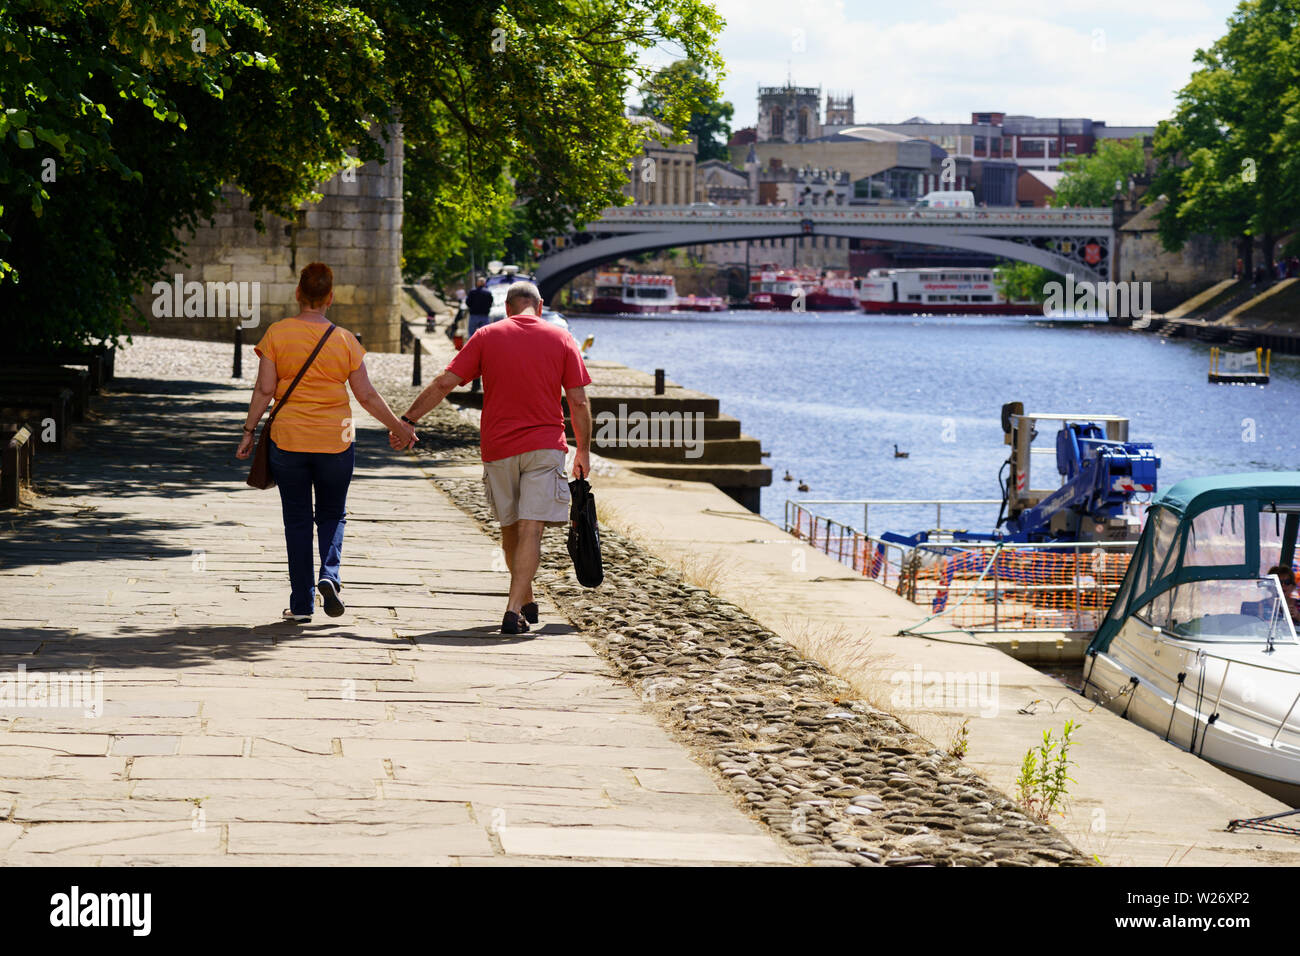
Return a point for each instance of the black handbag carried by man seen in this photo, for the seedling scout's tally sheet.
(584, 535)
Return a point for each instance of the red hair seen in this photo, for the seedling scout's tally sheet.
(315, 283)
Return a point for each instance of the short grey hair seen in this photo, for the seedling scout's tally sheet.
(522, 291)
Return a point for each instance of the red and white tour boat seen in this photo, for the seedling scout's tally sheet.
(834, 293)
(701, 303)
(772, 289)
(631, 292)
(937, 292)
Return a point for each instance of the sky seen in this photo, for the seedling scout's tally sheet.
(1121, 61)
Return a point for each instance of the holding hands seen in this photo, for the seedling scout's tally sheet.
(403, 437)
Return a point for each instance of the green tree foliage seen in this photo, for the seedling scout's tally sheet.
(1089, 181)
(710, 121)
(1228, 163)
(120, 123)
(1024, 282)
(523, 105)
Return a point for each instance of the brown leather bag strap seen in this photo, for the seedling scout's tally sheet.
(302, 371)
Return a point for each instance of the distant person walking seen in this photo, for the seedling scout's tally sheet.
(312, 437)
(479, 304)
(525, 363)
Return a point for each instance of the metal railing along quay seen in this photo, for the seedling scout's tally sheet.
(976, 585)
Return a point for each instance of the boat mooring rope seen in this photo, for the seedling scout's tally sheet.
(913, 632)
(1266, 823)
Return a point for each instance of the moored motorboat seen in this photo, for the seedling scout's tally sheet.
(633, 293)
(1199, 645)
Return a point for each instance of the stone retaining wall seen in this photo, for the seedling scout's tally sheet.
(356, 229)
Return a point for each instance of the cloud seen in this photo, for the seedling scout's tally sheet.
(942, 60)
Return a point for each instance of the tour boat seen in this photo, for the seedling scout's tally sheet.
(937, 292)
(631, 292)
(1199, 645)
(833, 294)
(785, 289)
(701, 303)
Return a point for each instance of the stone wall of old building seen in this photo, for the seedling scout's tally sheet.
(356, 229)
(1174, 276)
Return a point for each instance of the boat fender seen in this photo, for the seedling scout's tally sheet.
(1133, 685)
(1087, 678)
(1173, 710)
(1206, 732)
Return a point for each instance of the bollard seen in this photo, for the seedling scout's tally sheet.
(238, 370)
(417, 347)
(659, 381)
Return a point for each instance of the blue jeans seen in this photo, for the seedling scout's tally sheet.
(296, 473)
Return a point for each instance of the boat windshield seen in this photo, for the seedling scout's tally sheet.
(1230, 611)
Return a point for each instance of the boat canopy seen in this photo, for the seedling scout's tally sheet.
(1218, 528)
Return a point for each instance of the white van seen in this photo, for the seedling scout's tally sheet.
(949, 199)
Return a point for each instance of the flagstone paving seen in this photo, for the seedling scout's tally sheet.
(405, 732)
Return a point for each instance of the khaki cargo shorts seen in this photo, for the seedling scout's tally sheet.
(531, 486)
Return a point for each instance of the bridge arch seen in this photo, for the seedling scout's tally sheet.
(1030, 235)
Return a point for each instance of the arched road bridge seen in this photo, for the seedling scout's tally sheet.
(1078, 241)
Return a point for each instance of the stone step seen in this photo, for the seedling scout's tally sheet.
(628, 400)
(644, 400)
(722, 427)
(724, 476)
(728, 451)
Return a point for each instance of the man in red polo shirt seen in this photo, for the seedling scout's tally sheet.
(525, 363)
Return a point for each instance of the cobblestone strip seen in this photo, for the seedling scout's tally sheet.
(843, 780)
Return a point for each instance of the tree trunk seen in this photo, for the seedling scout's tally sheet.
(1245, 252)
(1267, 254)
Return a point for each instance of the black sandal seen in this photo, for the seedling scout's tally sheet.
(513, 623)
(530, 612)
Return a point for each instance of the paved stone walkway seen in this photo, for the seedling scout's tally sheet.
(405, 732)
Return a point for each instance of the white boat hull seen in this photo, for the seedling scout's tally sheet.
(1236, 709)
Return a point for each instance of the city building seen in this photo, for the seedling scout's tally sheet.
(1036, 187)
(723, 183)
(1028, 141)
(664, 173)
(789, 114)
(839, 111)
(803, 186)
(882, 166)
(994, 182)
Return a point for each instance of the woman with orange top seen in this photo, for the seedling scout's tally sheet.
(311, 439)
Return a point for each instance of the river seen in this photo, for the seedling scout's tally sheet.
(831, 394)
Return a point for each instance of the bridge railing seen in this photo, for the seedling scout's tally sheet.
(1102, 218)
